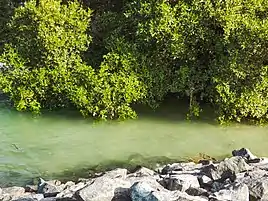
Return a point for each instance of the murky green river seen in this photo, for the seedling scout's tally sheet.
(63, 141)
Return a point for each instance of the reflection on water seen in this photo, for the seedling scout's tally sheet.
(63, 141)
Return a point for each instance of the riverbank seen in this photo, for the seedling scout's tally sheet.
(242, 177)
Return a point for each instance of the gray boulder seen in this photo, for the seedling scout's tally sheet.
(116, 174)
(50, 188)
(236, 191)
(11, 193)
(182, 182)
(30, 197)
(245, 153)
(205, 181)
(105, 188)
(197, 192)
(142, 191)
(142, 172)
(226, 169)
(258, 188)
(177, 168)
(69, 191)
(31, 188)
(262, 164)
(182, 196)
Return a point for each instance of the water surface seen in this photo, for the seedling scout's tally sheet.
(63, 141)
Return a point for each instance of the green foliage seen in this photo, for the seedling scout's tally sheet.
(138, 52)
(6, 12)
(241, 79)
(46, 69)
(209, 51)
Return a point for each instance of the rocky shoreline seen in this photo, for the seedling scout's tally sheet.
(242, 177)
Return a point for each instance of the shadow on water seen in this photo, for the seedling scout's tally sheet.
(14, 178)
(171, 110)
(174, 110)
(132, 163)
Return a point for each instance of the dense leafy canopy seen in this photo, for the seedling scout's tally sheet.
(102, 56)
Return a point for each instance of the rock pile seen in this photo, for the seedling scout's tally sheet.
(242, 177)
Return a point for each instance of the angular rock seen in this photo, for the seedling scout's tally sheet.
(245, 153)
(262, 164)
(226, 169)
(216, 186)
(30, 197)
(31, 188)
(197, 192)
(180, 167)
(49, 188)
(236, 191)
(58, 199)
(142, 172)
(71, 190)
(258, 188)
(11, 193)
(68, 185)
(182, 196)
(182, 182)
(142, 191)
(105, 189)
(117, 173)
(205, 181)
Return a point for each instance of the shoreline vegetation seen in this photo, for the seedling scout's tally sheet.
(101, 57)
(240, 177)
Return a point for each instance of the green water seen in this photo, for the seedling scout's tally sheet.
(62, 141)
